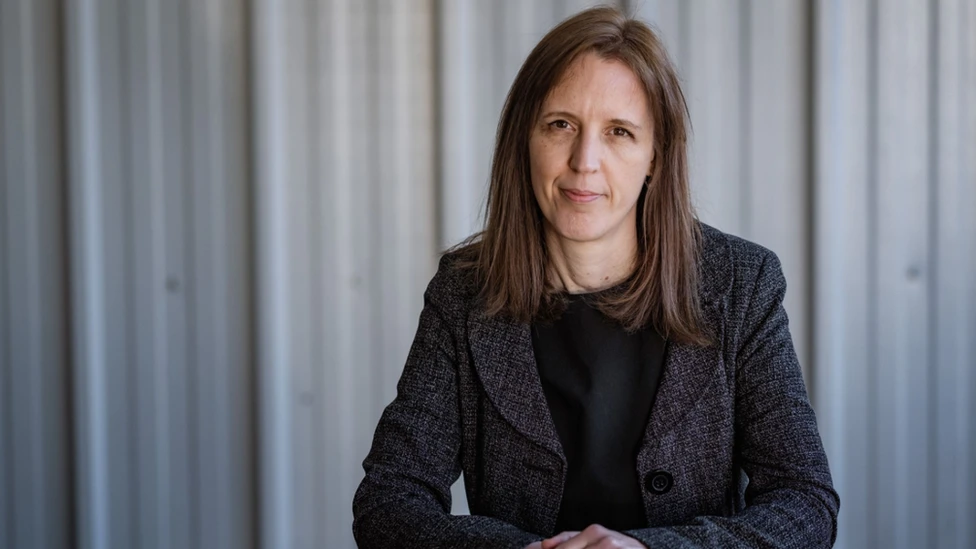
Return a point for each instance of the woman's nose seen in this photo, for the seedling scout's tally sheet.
(586, 153)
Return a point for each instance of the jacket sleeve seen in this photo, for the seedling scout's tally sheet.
(790, 500)
(405, 498)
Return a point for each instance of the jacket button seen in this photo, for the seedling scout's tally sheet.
(658, 482)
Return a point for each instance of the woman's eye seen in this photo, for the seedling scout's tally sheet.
(559, 124)
(621, 132)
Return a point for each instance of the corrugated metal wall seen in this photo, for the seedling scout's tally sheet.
(346, 223)
(896, 258)
(219, 218)
(158, 188)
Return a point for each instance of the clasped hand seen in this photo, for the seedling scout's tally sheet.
(593, 537)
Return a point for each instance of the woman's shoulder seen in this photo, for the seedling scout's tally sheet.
(729, 262)
(454, 286)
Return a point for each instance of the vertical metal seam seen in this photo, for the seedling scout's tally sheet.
(90, 157)
(498, 28)
(6, 361)
(934, 54)
(67, 391)
(126, 173)
(967, 40)
(811, 168)
(189, 275)
(159, 515)
(252, 400)
(214, 271)
(745, 116)
(438, 141)
(33, 301)
(967, 128)
(371, 278)
(684, 44)
(872, 259)
(314, 264)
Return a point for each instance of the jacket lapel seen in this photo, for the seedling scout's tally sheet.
(505, 363)
(688, 370)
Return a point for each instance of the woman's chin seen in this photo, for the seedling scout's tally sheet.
(580, 234)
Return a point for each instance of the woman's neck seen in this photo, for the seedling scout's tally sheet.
(583, 267)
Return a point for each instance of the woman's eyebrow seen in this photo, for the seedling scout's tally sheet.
(559, 113)
(615, 121)
(625, 123)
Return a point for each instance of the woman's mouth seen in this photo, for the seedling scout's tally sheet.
(580, 197)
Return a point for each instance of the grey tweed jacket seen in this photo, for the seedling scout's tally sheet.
(731, 456)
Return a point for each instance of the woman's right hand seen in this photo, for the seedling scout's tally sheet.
(551, 542)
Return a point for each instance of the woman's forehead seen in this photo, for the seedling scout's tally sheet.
(595, 85)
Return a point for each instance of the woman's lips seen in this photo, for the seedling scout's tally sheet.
(580, 197)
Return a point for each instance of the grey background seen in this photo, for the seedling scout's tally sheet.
(217, 219)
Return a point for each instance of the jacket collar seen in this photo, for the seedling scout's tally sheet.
(505, 363)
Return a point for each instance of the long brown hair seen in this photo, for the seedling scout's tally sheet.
(509, 254)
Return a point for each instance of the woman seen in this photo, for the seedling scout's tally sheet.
(605, 370)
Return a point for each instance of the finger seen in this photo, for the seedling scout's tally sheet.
(561, 537)
(616, 540)
(587, 538)
(578, 542)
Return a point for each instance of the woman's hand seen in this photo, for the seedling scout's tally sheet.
(593, 537)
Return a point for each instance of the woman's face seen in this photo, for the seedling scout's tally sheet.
(590, 151)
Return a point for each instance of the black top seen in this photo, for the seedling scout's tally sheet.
(599, 382)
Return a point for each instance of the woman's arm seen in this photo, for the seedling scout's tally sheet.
(405, 499)
(790, 500)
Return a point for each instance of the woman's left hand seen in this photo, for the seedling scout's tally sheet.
(593, 537)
